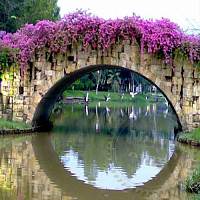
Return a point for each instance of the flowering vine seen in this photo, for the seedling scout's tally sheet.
(160, 35)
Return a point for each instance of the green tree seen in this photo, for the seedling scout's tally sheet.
(114, 79)
(16, 13)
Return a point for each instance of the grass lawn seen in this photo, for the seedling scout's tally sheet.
(97, 97)
(191, 138)
(100, 96)
(5, 124)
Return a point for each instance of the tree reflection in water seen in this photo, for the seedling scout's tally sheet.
(129, 142)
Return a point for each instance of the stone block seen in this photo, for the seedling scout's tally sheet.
(19, 118)
(20, 114)
(179, 81)
(187, 64)
(167, 72)
(20, 107)
(134, 67)
(195, 125)
(149, 75)
(70, 68)
(157, 68)
(107, 60)
(188, 81)
(39, 82)
(126, 42)
(187, 110)
(99, 61)
(36, 99)
(58, 76)
(189, 118)
(187, 92)
(119, 48)
(49, 72)
(26, 101)
(26, 109)
(124, 56)
(92, 61)
(158, 81)
(81, 55)
(108, 52)
(178, 68)
(39, 65)
(26, 82)
(15, 107)
(188, 73)
(122, 63)
(178, 74)
(81, 63)
(174, 80)
(60, 58)
(179, 88)
(115, 54)
(38, 75)
(196, 91)
(127, 48)
(168, 84)
(99, 53)
(93, 53)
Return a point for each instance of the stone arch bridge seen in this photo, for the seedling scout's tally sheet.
(32, 97)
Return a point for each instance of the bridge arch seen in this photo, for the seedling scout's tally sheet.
(46, 104)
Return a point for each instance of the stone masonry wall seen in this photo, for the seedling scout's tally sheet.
(181, 85)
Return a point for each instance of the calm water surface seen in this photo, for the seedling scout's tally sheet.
(98, 153)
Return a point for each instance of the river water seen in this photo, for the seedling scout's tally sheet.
(98, 152)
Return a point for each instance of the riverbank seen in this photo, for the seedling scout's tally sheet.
(15, 127)
(192, 184)
(192, 138)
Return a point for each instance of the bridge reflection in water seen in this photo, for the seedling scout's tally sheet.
(31, 169)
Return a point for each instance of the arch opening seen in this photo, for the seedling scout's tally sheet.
(44, 109)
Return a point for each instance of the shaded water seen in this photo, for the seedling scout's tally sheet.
(114, 148)
(98, 153)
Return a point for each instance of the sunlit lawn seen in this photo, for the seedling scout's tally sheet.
(100, 95)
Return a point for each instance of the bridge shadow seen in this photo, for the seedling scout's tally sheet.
(54, 169)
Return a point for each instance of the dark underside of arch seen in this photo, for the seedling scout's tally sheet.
(43, 111)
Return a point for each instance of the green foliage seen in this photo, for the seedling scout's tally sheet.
(193, 183)
(14, 13)
(5, 59)
(194, 136)
(114, 80)
(5, 124)
(195, 197)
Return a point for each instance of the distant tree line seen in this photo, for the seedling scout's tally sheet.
(14, 14)
(111, 80)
